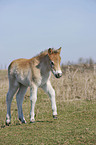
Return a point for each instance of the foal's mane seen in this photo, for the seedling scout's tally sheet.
(45, 52)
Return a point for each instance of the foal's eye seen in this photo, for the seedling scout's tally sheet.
(52, 63)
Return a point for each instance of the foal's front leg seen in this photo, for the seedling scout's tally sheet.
(51, 92)
(33, 98)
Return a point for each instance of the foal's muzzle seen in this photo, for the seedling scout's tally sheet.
(58, 75)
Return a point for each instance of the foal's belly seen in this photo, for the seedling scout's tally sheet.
(23, 78)
(23, 81)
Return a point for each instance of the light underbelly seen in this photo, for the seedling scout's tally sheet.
(23, 79)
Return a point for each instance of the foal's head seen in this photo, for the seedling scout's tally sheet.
(55, 59)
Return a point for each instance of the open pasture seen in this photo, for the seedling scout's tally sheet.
(76, 103)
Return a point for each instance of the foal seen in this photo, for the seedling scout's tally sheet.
(33, 73)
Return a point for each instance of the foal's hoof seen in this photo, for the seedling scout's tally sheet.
(8, 122)
(55, 116)
(23, 121)
(32, 121)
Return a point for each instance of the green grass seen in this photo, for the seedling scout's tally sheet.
(76, 123)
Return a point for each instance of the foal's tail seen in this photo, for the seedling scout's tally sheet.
(11, 69)
(11, 73)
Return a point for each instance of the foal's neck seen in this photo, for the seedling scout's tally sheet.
(45, 64)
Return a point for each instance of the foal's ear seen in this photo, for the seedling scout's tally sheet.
(49, 51)
(59, 50)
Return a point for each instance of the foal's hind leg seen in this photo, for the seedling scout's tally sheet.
(19, 98)
(12, 90)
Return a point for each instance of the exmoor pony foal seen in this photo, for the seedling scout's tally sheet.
(33, 73)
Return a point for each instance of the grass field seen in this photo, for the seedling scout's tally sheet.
(76, 103)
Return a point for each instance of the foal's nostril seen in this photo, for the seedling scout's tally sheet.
(59, 75)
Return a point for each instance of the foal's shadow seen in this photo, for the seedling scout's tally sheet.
(46, 121)
(19, 123)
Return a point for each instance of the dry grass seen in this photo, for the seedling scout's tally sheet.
(76, 83)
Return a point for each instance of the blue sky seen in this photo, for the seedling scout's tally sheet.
(29, 26)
